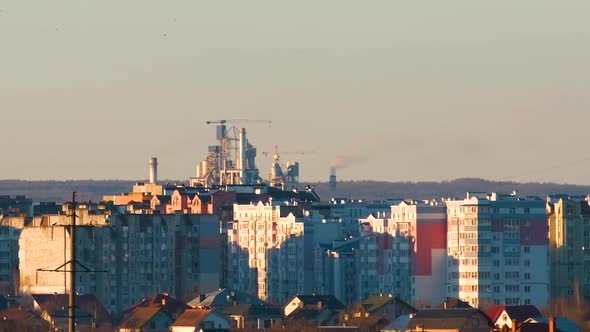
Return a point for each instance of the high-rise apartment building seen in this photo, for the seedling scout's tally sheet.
(10, 229)
(497, 250)
(128, 256)
(424, 225)
(569, 246)
(271, 248)
(384, 258)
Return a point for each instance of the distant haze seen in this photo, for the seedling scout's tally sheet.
(397, 91)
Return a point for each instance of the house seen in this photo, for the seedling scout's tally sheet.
(58, 319)
(23, 320)
(318, 301)
(170, 305)
(253, 315)
(531, 325)
(389, 307)
(90, 313)
(243, 310)
(146, 319)
(195, 320)
(447, 320)
(454, 303)
(398, 325)
(504, 315)
(560, 323)
(314, 310)
(223, 298)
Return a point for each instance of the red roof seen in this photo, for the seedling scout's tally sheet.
(191, 317)
(170, 305)
(518, 312)
(139, 317)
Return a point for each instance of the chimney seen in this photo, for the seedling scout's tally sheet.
(551, 324)
(332, 182)
(163, 301)
(320, 307)
(446, 303)
(153, 170)
(202, 297)
(513, 325)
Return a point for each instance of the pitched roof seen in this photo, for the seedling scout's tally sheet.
(454, 303)
(327, 301)
(19, 314)
(191, 317)
(375, 302)
(22, 319)
(169, 304)
(536, 327)
(400, 323)
(563, 323)
(140, 316)
(445, 318)
(518, 312)
(311, 312)
(252, 310)
(86, 302)
(223, 298)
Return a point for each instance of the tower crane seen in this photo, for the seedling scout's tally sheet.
(277, 154)
(238, 121)
(286, 176)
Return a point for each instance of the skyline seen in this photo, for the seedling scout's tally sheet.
(406, 92)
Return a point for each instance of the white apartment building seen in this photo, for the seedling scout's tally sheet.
(271, 249)
(497, 250)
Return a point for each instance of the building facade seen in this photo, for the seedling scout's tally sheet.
(129, 256)
(497, 250)
(569, 246)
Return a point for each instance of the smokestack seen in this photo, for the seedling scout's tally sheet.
(551, 324)
(332, 181)
(153, 170)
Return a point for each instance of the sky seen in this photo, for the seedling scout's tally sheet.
(386, 90)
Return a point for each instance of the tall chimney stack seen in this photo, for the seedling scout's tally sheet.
(153, 170)
(332, 181)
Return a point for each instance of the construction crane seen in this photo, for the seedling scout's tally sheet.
(238, 121)
(286, 176)
(277, 154)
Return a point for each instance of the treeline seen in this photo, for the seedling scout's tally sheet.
(94, 190)
(375, 190)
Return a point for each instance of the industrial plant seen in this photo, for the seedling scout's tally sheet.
(233, 161)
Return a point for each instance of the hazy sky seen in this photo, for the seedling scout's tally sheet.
(416, 90)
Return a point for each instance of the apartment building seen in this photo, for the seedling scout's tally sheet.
(497, 250)
(569, 246)
(127, 256)
(10, 229)
(271, 248)
(384, 258)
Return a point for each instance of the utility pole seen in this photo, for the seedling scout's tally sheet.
(72, 297)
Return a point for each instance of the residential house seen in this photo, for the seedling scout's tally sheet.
(146, 319)
(168, 304)
(223, 298)
(503, 316)
(195, 320)
(389, 307)
(22, 320)
(447, 320)
(90, 313)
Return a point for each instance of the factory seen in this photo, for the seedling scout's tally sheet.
(233, 162)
